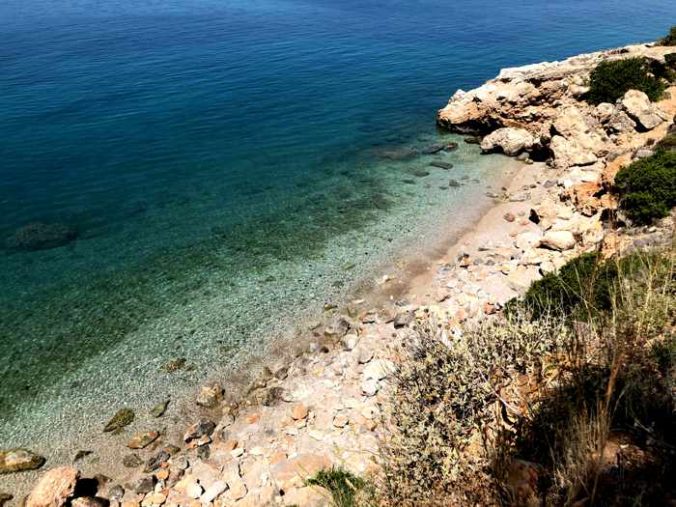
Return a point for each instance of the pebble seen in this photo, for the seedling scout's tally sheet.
(299, 411)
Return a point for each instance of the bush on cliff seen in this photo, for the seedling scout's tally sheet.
(647, 187)
(670, 39)
(610, 80)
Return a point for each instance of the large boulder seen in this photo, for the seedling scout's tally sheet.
(558, 240)
(569, 152)
(640, 109)
(54, 488)
(19, 460)
(511, 141)
(41, 236)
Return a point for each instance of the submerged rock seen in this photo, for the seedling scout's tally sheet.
(441, 164)
(54, 488)
(123, 417)
(41, 236)
(143, 439)
(210, 395)
(19, 460)
(159, 409)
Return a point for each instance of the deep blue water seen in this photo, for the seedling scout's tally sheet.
(194, 144)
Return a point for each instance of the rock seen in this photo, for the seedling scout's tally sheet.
(210, 395)
(640, 109)
(369, 387)
(123, 417)
(340, 420)
(509, 217)
(159, 409)
(511, 141)
(420, 173)
(454, 183)
(89, 501)
(365, 355)
(41, 236)
(145, 485)
(299, 411)
(82, 454)
(472, 140)
(154, 462)
(403, 319)
(116, 493)
(379, 369)
(432, 149)
(213, 491)
(143, 440)
(19, 460)
(54, 488)
(558, 240)
(604, 111)
(350, 341)
(308, 496)
(199, 429)
(442, 165)
(452, 146)
(132, 461)
(4, 498)
(568, 153)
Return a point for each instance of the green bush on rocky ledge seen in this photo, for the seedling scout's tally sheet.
(670, 39)
(647, 187)
(610, 80)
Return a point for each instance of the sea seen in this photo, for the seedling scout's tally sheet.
(182, 182)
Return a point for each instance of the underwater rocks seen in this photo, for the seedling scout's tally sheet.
(143, 440)
(41, 236)
(19, 460)
(210, 395)
(123, 417)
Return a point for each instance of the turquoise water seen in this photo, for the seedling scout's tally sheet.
(228, 166)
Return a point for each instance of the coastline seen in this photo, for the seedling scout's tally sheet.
(324, 407)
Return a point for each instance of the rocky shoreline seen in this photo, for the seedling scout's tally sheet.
(325, 408)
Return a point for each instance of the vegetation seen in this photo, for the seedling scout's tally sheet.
(610, 80)
(574, 406)
(670, 39)
(343, 485)
(647, 187)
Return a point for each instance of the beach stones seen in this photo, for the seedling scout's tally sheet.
(54, 488)
(143, 440)
(210, 395)
(123, 417)
(441, 164)
(41, 236)
(159, 409)
(19, 460)
(201, 428)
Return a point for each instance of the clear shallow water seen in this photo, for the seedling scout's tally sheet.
(228, 165)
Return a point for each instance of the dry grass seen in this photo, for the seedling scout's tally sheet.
(556, 411)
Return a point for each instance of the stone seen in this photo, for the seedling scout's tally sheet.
(558, 240)
(639, 108)
(116, 493)
(432, 149)
(210, 395)
(454, 183)
(403, 319)
(145, 485)
(199, 429)
(54, 488)
(122, 418)
(369, 387)
(89, 501)
(132, 461)
(194, 490)
(350, 341)
(143, 440)
(442, 165)
(511, 141)
(159, 409)
(4, 498)
(509, 217)
(340, 420)
(568, 152)
(308, 496)
(365, 355)
(19, 460)
(156, 461)
(214, 491)
(41, 236)
(379, 369)
(299, 411)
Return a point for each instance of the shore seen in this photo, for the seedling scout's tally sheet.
(323, 408)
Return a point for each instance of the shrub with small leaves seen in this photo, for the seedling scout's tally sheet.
(343, 485)
(647, 187)
(670, 39)
(610, 80)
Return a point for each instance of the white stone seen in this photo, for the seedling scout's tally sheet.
(558, 240)
(509, 140)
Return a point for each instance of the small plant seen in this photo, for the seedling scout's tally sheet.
(343, 485)
(647, 187)
(670, 39)
(610, 80)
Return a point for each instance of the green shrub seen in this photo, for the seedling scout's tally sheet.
(342, 484)
(610, 80)
(647, 187)
(669, 40)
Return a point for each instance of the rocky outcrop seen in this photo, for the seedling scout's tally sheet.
(540, 108)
